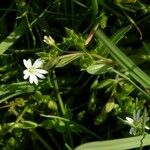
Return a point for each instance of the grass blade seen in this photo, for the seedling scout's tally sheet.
(117, 144)
(12, 37)
(116, 38)
(124, 61)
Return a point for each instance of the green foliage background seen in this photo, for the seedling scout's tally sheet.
(98, 73)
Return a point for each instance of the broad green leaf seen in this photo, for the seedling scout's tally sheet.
(97, 69)
(125, 61)
(117, 144)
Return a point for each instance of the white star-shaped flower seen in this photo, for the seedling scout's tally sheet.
(33, 71)
(136, 122)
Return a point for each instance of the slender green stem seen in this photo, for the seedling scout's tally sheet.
(62, 108)
(30, 29)
(68, 147)
(19, 118)
(76, 124)
(136, 86)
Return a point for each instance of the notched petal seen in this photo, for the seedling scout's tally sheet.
(41, 71)
(26, 71)
(130, 120)
(38, 63)
(25, 63)
(26, 76)
(35, 80)
(31, 79)
(29, 63)
(39, 75)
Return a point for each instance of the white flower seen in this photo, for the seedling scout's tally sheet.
(137, 122)
(33, 71)
(129, 120)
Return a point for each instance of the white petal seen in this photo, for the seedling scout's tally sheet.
(130, 120)
(35, 80)
(146, 127)
(26, 76)
(38, 63)
(45, 37)
(132, 131)
(41, 71)
(26, 71)
(29, 63)
(25, 62)
(39, 75)
(31, 79)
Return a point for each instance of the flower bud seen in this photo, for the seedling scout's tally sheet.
(49, 40)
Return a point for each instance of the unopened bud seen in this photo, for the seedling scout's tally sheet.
(49, 40)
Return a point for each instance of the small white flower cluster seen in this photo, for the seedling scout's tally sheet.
(33, 72)
(136, 122)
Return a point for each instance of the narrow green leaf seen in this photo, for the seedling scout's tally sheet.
(24, 125)
(117, 144)
(66, 59)
(80, 127)
(94, 7)
(14, 89)
(115, 38)
(147, 47)
(17, 33)
(11, 39)
(104, 83)
(120, 34)
(134, 84)
(125, 61)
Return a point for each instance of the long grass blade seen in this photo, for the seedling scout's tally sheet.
(115, 38)
(117, 144)
(124, 61)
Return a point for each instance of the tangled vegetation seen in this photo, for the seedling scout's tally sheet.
(74, 72)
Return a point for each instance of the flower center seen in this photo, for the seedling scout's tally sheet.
(32, 70)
